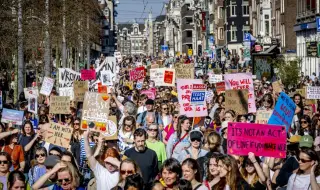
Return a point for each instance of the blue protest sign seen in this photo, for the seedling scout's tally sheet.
(198, 97)
(318, 24)
(283, 111)
(12, 116)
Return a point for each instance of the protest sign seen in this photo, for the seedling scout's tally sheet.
(169, 77)
(33, 103)
(129, 84)
(154, 66)
(47, 86)
(67, 77)
(213, 78)
(88, 74)
(261, 139)
(209, 96)
(31, 90)
(12, 116)
(79, 89)
(184, 87)
(60, 104)
(184, 73)
(183, 65)
(111, 132)
(137, 73)
(220, 87)
(240, 81)
(198, 94)
(237, 100)
(313, 92)
(277, 86)
(263, 116)
(1, 102)
(95, 111)
(151, 93)
(283, 111)
(106, 78)
(163, 76)
(108, 65)
(67, 91)
(59, 135)
(301, 91)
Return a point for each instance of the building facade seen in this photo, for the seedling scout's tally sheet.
(158, 34)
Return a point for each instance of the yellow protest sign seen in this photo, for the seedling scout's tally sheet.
(59, 105)
(263, 116)
(129, 84)
(59, 135)
(237, 100)
(79, 89)
(183, 73)
(301, 91)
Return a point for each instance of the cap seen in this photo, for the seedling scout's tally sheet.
(306, 141)
(175, 99)
(51, 161)
(149, 102)
(294, 139)
(196, 134)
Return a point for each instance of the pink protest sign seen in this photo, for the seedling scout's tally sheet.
(261, 139)
(151, 93)
(137, 73)
(88, 74)
(240, 81)
(185, 88)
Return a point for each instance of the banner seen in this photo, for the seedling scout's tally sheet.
(283, 111)
(79, 89)
(31, 90)
(106, 78)
(261, 139)
(240, 81)
(237, 100)
(59, 135)
(95, 111)
(67, 91)
(184, 87)
(47, 86)
(67, 76)
(313, 92)
(137, 73)
(215, 78)
(163, 76)
(151, 93)
(263, 116)
(12, 116)
(59, 105)
(220, 87)
(184, 73)
(88, 74)
(33, 104)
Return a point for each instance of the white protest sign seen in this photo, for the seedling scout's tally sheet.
(313, 92)
(215, 78)
(31, 90)
(33, 103)
(67, 76)
(47, 86)
(106, 78)
(67, 91)
(109, 64)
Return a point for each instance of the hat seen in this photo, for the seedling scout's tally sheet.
(51, 161)
(196, 134)
(149, 102)
(175, 99)
(294, 139)
(306, 141)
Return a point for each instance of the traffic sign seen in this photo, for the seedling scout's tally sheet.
(190, 52)
(318, 24)
(247, 37)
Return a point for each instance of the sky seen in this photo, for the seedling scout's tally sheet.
(128, 10)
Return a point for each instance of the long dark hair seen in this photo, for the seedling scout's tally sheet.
(313, 156)
(181, 120)
(216, 116)
(172, 165)
(193, 164)
(14, 176)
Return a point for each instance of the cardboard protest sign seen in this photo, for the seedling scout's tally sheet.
(184, 87)
(31, 90)
(240, 81)
(12, 116)
(213, 78)
(1, 102)
(33, 103)
(88, 74)
(283, 111)
(67, 77)
(47, 86)
(60, 105)
(151, 93)
(237, 100)
(59, 135)
(302, 92)
(79, 89)
(313, 92)
(183, 65)
(220, 87)
(106, 78)
(95, 111)
(154, 66)
(184, 73)
(261, 139)
(111, 132)
(137, 73)
(262, 116)
(67, 91)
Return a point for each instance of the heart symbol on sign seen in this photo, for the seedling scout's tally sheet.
(105, 97)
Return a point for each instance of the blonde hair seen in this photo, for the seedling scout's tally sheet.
(73, 172)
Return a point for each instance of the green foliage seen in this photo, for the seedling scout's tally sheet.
(287, 70)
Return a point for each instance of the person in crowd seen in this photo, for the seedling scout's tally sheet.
(145, 157)
(212, 177)
(267, 102)
(39, 169)
(75, 139)
(184, 185)
(67, 177)
(230, 116)
(134, 182)
(191, 172)
(315, 125)
(218, 118)
(253, 173)
(142, 121)
(170, 172)
(55, 151)
(142, 103)
(178, 141)
(195, 151)
(154, 144)
(171, 128)
(305, 126)
(218, 104)
(127, 167)
(5, 164)
(126, 133)
(16, 181)
(166, 116)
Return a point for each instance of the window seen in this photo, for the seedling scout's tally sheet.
(189, 34)
(282, 6)
(245, 8)
(267, 25)
(233, 8)
(221, 33)
(188, 20)
(220, 12)
(233, 33)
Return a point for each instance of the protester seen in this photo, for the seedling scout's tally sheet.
(191, 172)
(5, 164)
(170, 172)
(39, 169)
(16, 181)
(154, 144)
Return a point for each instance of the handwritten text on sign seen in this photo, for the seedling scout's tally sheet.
(283, 111)
(240, 81)
(263, 116)
(60, 104)
(237, 100)
(137, 73)
(67, 77)
(59, 135)
(261, 139)
(313, 92)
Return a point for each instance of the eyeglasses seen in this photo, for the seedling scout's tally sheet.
(303, 122)
(129, 172)
(192, 140)
(304, 161)
(268, 101)
(42, 155)
(154, 130)
(67, 180)
(127, 125)
(4, 161)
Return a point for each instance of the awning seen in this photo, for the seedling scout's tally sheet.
(269, 50)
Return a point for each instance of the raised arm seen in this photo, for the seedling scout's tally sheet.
(92, 160)
(30, 144)
(262, 177)
(6, 134)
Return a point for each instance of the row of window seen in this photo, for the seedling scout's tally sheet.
(234, 30)
(233, 8)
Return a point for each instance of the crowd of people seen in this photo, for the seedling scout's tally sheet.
(157, 147)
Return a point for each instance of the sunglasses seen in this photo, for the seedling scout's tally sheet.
(4, 161)
(304, 161)
(268, 101)
(129, 172)
(67, 180)
(127, 125)
(42, 155)
(165, 108)
(76, 123)
(303, 122)
(154, 130)
(192, 140)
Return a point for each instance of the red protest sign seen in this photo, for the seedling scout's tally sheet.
(220, 87)
(168, 77)
(137, 73)
(88, 74)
